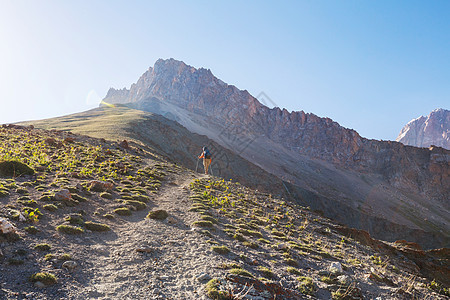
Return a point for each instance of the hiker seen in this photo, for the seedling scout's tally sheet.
(206, 155)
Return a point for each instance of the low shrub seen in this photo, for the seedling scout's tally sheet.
(138, 205)
(96, 226)
(31, 229)
(220, 249)
(159, 214)
(202, 224)
(241, 272)
(44, 277)
(69, 229)
(50, 207)
(123, 211)
(42, 247)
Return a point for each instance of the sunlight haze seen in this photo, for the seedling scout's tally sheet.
(370, 66)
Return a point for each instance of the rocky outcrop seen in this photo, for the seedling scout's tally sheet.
(427, 131)
(199, 91)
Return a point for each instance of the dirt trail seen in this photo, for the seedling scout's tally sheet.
(176, 254)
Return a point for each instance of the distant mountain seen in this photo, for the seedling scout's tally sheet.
(426, 131)
(389, 189)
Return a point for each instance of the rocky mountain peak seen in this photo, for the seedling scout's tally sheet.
(433, 129)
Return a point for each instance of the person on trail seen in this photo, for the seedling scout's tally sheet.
(206, 155)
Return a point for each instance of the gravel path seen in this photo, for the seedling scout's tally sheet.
(172, 255)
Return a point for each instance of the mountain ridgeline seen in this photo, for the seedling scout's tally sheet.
(198, 91)
(392, 190)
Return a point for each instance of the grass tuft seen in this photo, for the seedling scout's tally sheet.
(93, 226)
(159, 214)
(42, 247)
(44, 277)
(220, 249)
(69, 229)
(123, 211)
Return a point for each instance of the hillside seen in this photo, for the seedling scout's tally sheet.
(391, 190)
(433, 129)
(99, 219)
(362, 206)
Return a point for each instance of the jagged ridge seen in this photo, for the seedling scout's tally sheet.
(427, 131)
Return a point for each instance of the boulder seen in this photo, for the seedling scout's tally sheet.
(100, 186)
(124, 144)
(63, 195)
(6, 226)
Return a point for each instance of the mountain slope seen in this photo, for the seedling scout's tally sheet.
(220, 239)
(157, 134)
(364, 183)
(427, 131)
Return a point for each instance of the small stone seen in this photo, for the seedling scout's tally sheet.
(63, 195)
(70, 265)
(343, 279)
(6, 226)
(203, 277)
(69, 140)
(39, 284)
(124, 144)
(171, 220)
(282, 246)
(335, 268)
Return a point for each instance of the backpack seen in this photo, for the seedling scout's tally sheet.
(207, 154)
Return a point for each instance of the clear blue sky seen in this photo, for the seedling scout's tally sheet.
(369, 65)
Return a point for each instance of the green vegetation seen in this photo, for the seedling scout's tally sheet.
(202, 224)
(123, 211)
(65, 257)
(75, 219)
(250, 244)
(31, 229)
(294, 271)
(42, 247)
(106, 195)
(44, 277)
(438, 287)
(159, 214)
(213, 292)
(108, 216)
(241, 272)
(93, 226)
(49, 256)
(291, 262)
(266, 272)
(239, 237)
(50, 207)
(220, 249)
(138, 205)
(69, 229)
(328, 279)
(306, 285)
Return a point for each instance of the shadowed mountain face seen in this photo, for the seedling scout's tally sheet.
(427, 131)
(368, 184)
(391, 190)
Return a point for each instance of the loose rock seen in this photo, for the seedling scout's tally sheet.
(100, 186)
(63, 195)
(335, 268)
(70, 265)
